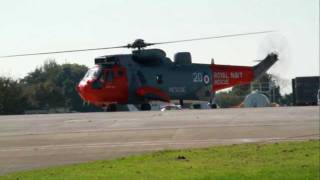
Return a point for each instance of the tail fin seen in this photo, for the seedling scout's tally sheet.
(264, 65)
(225, 76)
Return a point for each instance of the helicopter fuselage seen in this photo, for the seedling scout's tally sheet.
(148, 75)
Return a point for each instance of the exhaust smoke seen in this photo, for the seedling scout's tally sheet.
(278, 43)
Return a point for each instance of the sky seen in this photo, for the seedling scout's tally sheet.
(28, 26)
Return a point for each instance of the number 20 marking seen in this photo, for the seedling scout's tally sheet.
(197, 77)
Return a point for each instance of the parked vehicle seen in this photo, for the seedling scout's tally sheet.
(171, 107)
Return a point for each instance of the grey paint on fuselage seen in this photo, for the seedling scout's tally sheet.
(178, 81)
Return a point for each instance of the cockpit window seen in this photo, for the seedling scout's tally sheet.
(93, 73)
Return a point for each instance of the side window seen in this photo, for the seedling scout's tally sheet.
(120, 72)
(159, 79)
(110, 76)
(107, 76)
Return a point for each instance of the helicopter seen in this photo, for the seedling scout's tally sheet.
(148, 75)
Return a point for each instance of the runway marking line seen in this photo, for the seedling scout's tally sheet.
(158, 143)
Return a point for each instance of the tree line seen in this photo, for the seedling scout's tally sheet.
(48, 87)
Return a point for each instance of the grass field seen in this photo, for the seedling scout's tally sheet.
(286, 160)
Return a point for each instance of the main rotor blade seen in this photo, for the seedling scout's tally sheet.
(213, 37)
(58, 52)
(137, 44)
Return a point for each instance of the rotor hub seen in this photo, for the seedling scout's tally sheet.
(138, 44)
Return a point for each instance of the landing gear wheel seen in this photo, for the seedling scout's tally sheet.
(145, 107)
(112, 108)
(213, 106)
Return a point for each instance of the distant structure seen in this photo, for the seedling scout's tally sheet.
(305, 90)
(266, 88)
(256, 99)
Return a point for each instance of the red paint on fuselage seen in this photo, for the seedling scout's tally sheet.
(108, 87)
(225, 76)
(155, 92)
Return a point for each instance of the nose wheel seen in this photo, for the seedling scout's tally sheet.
(213, 106)
(112, 108)
(145, 107)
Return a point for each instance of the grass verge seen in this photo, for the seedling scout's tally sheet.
(285, 160)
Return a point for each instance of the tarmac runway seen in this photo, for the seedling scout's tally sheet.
(38, 141)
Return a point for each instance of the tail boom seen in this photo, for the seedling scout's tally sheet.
(225, 76)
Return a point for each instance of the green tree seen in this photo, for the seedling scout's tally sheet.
(53, 85)
(241, 90)
(41, 89)
(12, 100)
(227, 99)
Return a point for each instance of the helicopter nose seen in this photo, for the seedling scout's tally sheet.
(82, 89)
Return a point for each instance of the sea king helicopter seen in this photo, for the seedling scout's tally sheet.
(148, 75)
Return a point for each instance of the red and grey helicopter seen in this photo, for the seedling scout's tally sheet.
(148, 75)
